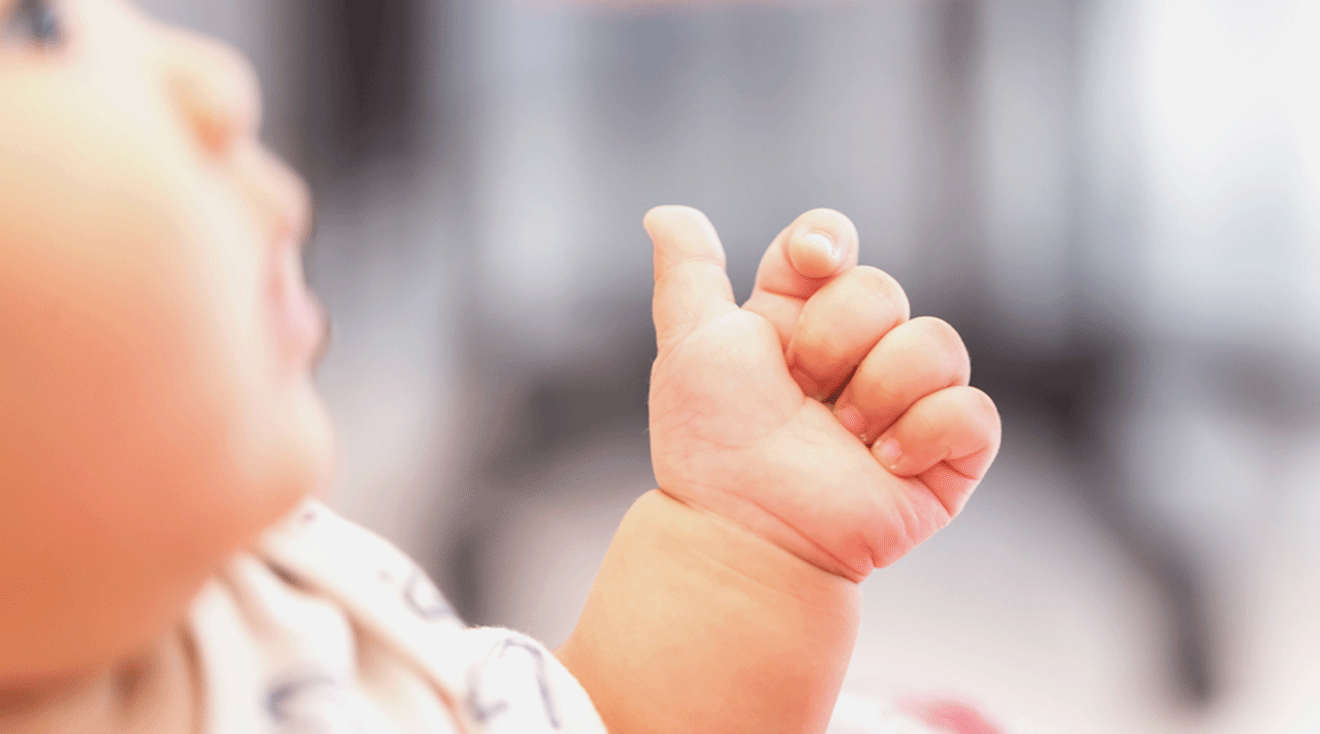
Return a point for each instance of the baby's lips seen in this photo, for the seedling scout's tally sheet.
(327, 332)
(299, 318)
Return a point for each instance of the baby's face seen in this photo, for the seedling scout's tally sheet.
(156, 408)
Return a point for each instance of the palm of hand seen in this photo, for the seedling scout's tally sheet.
(734, 432)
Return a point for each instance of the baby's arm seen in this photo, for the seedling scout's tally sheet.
(695, 624)
(728, 600)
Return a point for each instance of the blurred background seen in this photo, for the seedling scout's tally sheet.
(1116, 203)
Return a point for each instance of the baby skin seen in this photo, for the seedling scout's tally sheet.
(729, 599)
(158, 412)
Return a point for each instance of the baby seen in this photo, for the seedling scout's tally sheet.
(162, 567)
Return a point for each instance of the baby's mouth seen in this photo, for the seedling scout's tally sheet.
(299, 320)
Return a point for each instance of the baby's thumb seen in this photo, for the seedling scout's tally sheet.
(690, 283)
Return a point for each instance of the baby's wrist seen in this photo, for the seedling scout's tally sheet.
(696, 623)
(725, 545)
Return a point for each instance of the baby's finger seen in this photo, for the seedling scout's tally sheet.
(947, 439)
(690, 282)
(817, 246)
(912, 361)
(840, 324)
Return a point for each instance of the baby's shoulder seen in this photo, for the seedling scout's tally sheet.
(323, 623)
(316, 548)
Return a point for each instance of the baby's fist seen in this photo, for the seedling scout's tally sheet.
(738, 426)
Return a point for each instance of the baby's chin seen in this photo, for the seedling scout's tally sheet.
(163, 562)
(318, 439)
(305, 459)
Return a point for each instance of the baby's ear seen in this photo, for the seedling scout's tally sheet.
(690, 282)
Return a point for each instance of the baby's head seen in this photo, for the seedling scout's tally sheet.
(156, 407)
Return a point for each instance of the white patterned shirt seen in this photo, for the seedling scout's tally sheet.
(325, 628)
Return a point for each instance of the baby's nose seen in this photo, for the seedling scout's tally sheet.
(215, 89)
(278, 193)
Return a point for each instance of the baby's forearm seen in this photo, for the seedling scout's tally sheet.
(695, 624)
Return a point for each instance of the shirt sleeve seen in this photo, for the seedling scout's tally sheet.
(514, 684)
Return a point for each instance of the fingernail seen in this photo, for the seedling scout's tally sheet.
(851, 419)
(822, 241)
(890, 452)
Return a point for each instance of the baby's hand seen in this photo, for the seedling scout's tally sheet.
(738, 426)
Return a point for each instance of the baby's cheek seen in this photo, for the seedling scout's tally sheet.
(145, 434)
(279, 433)
(145, 429)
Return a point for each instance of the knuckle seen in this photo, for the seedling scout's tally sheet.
(985, 407)
(876, 284)
(924, 426)
(875, 389)
(814, 352)
(944, 340)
